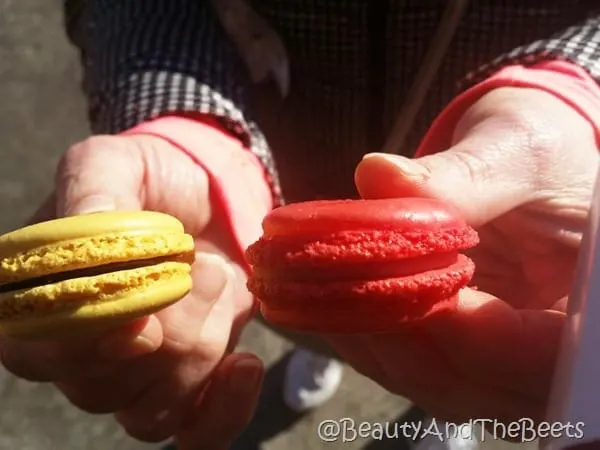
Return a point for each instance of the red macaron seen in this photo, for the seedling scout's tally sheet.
(359, 266)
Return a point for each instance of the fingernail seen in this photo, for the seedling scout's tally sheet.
(408, 167)
(121, 348)
(247, 375)
(92, 204)
(210, 277)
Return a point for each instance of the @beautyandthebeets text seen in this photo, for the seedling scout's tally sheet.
(525, 430)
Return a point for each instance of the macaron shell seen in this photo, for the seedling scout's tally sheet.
(437, 283)
(89, 304)
(360, 266)
(365, 321)
(84, 226)
(362, 305)
(86, 241)
(347, 247)
(327, 216)
(94, 251)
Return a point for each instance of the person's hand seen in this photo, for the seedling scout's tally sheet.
(521, 170)
(153, 373)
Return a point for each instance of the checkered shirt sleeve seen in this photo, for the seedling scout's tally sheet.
(146, 58)
(579, 44)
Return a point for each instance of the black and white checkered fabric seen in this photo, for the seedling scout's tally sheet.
(352, 65)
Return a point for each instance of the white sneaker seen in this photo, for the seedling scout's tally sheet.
(310, 380)
(465, 438)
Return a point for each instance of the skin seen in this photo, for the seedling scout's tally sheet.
(521, 170)
(153, 374)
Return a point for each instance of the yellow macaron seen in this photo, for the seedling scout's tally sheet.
(84, 274)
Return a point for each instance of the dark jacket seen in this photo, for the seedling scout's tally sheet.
(352, 65)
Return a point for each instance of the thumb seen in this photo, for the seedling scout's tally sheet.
(102, 173)
(486, 174)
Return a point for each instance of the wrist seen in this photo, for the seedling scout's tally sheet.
(239, 192)
(563, 80)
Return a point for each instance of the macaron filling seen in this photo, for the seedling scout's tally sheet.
(94, 271)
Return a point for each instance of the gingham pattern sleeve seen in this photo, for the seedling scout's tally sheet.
(579, 44)
(146, 58)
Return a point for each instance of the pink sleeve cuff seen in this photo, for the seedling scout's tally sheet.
(240, 194)
(568, 82)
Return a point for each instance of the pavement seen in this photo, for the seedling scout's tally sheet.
(41, 113)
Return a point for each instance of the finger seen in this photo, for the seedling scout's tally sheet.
(46, 211)
(151, 392)
(482, 186)
(357, 352)
(115, 390)
(28, 360)
(213, 241)
(409, 364)
(514, 349)
(500, 159)
(511, 147)
(132, 341)
(102, 173)
(190, 321)
(226, 407)
(196, 335)
(77, 359)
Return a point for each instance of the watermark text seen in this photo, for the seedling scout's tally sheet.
(525, 430)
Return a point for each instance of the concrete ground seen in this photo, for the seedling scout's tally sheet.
(41, 114)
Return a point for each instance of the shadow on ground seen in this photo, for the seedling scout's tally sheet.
(273, 417)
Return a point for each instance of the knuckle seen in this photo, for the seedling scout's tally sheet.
(18, 364)
(105, 391)
(472, 165)
(532, 132)
(536, 120)
(93, 401)
(9, 362)
(159, 412)
(91, 144)
(520, 115)
(145, 428)
(72, 161)
(537, 143)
